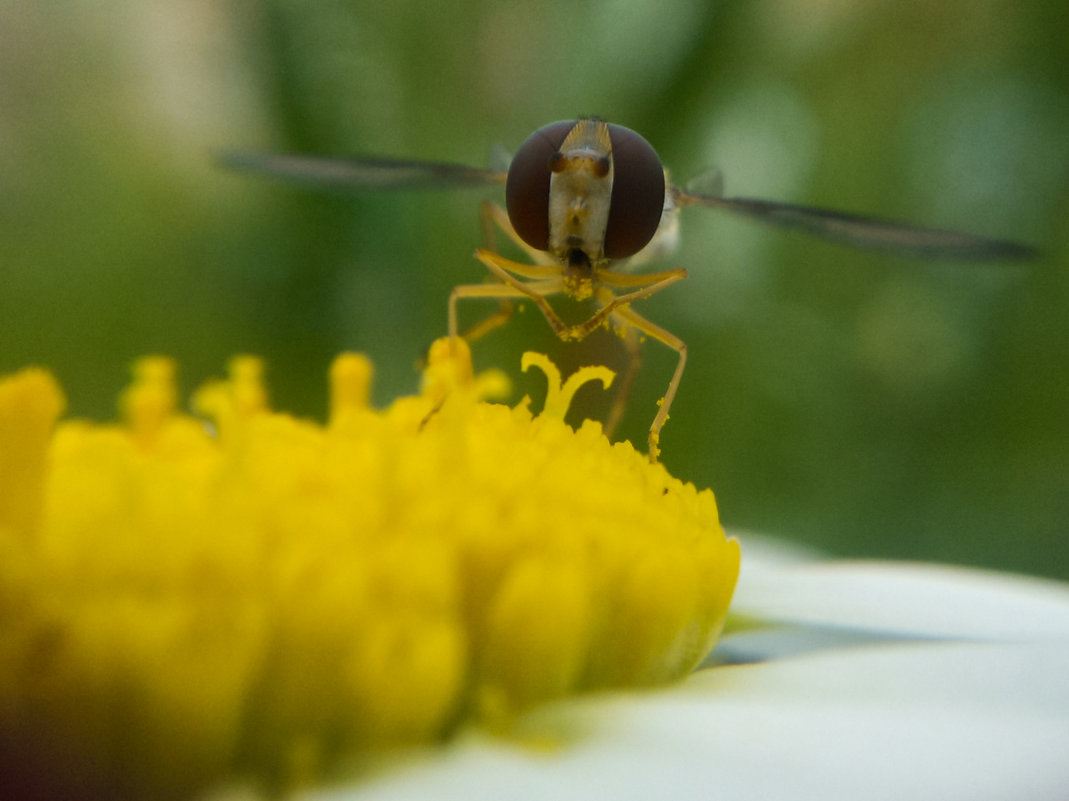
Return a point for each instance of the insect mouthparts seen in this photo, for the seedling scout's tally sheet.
(578, 258)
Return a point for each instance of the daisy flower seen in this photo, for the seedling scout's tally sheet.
(455, 599)
(259, 596)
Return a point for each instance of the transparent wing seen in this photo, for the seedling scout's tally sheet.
(500, 158)
(362, 173)
(865, 232)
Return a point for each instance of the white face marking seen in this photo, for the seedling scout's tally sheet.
(580, 191)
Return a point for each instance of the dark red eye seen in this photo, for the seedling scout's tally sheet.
(527, 186)
(637, 189)
(637, 194)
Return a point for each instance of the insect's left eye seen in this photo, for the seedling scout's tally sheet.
(637, 190)
(527, 185)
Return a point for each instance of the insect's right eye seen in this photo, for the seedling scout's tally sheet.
(527, 185)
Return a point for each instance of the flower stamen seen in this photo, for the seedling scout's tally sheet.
(559, 395)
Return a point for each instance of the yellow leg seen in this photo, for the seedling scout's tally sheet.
(492, 216)
(498, 264)
(653, 281)
(617, 303)
(628, 317)
(506, 291)
(547, 281)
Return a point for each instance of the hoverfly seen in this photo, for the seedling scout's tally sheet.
(585, 198)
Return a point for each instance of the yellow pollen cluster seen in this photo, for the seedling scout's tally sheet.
(188, 599)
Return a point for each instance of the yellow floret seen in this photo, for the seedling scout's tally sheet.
(183, 600)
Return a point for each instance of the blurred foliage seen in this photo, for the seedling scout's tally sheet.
(871, 405)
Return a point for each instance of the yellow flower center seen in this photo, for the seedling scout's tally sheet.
(182, 601)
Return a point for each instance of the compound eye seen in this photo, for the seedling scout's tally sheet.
(637, 194)
(527, 185)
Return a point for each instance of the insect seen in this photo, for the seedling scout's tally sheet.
(585, 198)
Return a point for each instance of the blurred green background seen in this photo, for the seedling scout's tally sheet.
(863, 403)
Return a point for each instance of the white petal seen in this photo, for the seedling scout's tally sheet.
(949, 721)
(916, 600)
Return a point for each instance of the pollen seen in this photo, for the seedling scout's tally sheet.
(186, 599)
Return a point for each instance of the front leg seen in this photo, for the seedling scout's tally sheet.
(627, 317)
(648, 285)
(494, 218)
(502, 292)
(546, 280)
